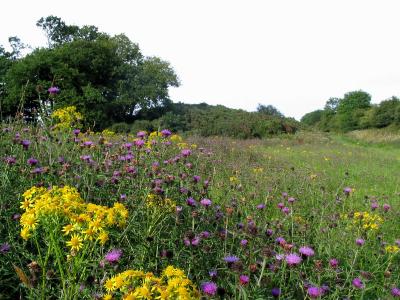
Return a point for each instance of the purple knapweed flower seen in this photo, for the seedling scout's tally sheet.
(334, 263)
(186, 152)
(276, 292)
(244, 279)
(141, 134)
(386, 207)
(191, 202)
(347, 191)
(25, 144)
(286, 210)
(205, 234)
(293, 259)
(357, 283)
(360, 242)
(165, 132)
(10, 160)
(196, 178)
(4, 248)
(261, 206)
(53, 90)
(306, 251)
(231, 259)
(269, 232)
(374, 205)
(284, 195)
(32, 161)
(395, 292)
(315, 292)
(76, 131)
(291, 199)
(281, 205)
(244, 242)
(139, 143)
(205, 202)
(209, 288)
(212, 273)
(113, 255)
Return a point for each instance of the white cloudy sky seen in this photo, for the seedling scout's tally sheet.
(293, 54)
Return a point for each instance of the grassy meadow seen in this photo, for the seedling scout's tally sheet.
(89, 215)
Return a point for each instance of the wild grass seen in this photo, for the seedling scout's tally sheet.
(326, 196)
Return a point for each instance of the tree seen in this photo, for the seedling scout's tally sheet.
(351, 109)
(312, 118)
(269, 110)
(385, 113)
(106, 77)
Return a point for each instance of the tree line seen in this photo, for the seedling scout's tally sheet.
(354, 111)
(110, 81)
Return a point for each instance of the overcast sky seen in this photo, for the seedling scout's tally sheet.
(291, 54)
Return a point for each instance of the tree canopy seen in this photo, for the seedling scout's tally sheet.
(106, 77)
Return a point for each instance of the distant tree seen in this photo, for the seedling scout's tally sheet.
(351, 109)
(385, 113)
(332, 104)
(312, 118)
(269, 110)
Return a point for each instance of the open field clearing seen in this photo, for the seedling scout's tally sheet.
(154, 216)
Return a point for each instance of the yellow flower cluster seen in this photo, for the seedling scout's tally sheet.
(67, 117)
(63, 205)
(107, 132)
(392, 249)
(155, 201)
(258, 170)
(365, 220)
(134, 284)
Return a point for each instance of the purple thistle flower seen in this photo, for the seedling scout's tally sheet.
(347, 191)
(113, 255)
(286, 210)
(76, 131)
(205, 234)
(10, 160)
(53, 90)
(293, 259)
(191, 202)
(165, 132)
(395, 292)
(261, 206)
(205, 202)
(244, 279)
(276, 292)
(244, 242)
(386, 207)
(306, 251)
(333, 263)
(25, 144)
(141, 134)
(357, 283)
(32, 161)
(139, 143)
(213, 273)
(231, 259)
(186, 152)
(360, 242)
(291, 200)
(196, 178)
(374, 205)
(4, 248)
(315, 292)
(209, 288)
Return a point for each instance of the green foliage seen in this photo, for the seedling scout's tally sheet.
(354, 112)
(106, 77)
(269, 110)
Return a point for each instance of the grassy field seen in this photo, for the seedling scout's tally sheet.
(103, 216)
